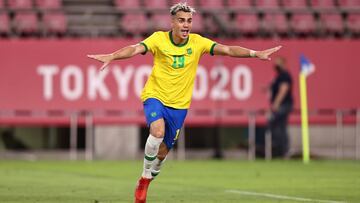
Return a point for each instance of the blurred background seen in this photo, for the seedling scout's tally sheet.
(55, 104)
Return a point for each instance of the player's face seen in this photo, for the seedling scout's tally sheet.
(181, 24)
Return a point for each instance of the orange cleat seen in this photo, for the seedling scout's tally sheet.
(141, 190)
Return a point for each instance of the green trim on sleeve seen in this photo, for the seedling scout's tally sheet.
(146, 48)
(212, 49)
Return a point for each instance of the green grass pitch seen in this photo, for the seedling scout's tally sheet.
(180, 182)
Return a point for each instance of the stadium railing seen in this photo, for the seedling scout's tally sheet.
(196, 117)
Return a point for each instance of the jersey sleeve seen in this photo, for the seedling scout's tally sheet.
(207, 45)
(150, 43)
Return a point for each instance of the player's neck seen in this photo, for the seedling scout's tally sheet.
(178, 40)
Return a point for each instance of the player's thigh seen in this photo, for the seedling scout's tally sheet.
(153, 110)
(157, 128)
(174, 120)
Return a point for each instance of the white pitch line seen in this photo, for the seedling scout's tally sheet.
(281, 196)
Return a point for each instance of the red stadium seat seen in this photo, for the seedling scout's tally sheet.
(20, 4)
(332, 23)
(303, 23)
(247, 23)
(134, 23)
(275, 22)
(211, 4)
(160, 21)
(210, 27)
(26, 22)
(156, 4)
(323, 4)
(55, 23)
(4, 23)
(127, 4)
(197, 23)
(48, 4)
(294, 4)
(240, 4)
(267, 4)
(349, 4)
(192, 3)
(353, 23)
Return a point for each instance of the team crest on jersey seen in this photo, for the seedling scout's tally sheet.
(189, 51)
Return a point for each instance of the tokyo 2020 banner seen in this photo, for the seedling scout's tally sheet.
(43, 75)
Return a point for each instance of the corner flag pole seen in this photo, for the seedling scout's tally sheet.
(304, 118)
(306, 68)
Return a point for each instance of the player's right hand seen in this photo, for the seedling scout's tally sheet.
(265, 54)
(105, 58)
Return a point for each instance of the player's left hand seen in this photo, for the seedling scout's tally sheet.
(265, 54)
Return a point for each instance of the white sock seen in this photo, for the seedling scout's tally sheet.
(156, 166)
(151, 151)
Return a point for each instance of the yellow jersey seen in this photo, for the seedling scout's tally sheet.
(173, 74)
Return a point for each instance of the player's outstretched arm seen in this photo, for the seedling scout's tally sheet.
(123, 53)
(237, 51)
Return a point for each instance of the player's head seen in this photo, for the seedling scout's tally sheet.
(181, 19)
(280, 64)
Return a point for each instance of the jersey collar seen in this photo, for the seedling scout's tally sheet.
(178, 45)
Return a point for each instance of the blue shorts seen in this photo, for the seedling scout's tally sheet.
(174, 119)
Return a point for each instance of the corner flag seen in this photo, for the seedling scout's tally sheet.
(306, 68)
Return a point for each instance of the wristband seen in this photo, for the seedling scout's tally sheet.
(252, 53)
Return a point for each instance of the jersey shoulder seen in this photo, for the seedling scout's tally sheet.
(195, 36)
(161, 34)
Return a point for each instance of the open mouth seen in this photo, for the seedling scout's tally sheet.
(184, 32)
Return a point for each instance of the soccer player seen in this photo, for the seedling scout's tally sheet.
(168, 90)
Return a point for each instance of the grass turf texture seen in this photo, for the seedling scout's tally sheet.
(189, 181)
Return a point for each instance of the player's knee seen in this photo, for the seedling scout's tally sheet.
(159, 133)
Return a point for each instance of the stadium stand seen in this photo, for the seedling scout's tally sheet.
(4, 24)
(223, 18)
(353, 24)
(240, 4)
(20, 4)
(123, 19)
(48, 4)
(54, 23)
(134, 24)
(295, 5)
(303, 24)
(198, 25)
(156, 4)
(189, 2)
(127, 4)
(275, 24)
(349, 4)
(26, 23)
(267, 4)
(323, 4)
(159, 21)
(210, 4)
(247, 24)
(332, 23)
